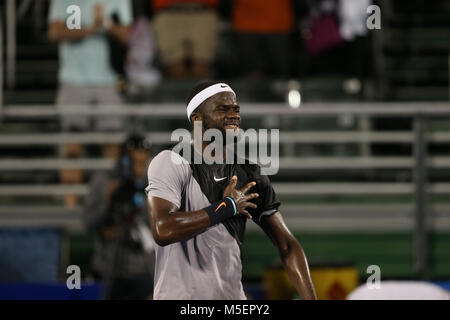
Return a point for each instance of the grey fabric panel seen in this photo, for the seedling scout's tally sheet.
(167, 174)
(207, 266)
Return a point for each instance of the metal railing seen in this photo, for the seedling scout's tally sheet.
(2, 70)
(384, 216)
(11, 44)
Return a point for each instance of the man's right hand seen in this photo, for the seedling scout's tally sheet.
(240, 197)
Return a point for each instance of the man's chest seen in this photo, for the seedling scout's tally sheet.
(213, 179)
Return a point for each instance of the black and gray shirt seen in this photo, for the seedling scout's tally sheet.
(208, 265)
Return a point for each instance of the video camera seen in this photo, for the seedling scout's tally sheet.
(129, 197)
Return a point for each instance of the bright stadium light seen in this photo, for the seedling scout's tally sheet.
(294, 98)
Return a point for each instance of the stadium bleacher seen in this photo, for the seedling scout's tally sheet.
(345, 196)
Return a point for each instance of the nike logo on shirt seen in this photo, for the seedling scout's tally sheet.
(219, 179)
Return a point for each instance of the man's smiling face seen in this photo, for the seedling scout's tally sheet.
(222, 112)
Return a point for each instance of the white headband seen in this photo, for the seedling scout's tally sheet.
(205, 94)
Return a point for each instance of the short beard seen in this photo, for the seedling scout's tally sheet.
(232, 137)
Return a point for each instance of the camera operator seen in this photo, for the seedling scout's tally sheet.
(115, 210)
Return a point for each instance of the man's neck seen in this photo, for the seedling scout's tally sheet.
(204, 145)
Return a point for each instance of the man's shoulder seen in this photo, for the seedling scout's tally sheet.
(168, 158)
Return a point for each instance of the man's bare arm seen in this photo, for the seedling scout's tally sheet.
(58, 31)
(120, 32)
(170, 226)
(291, 253)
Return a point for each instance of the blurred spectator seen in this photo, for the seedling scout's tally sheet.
(353, 16)
(334, 37)
(186, 34)
(115, 210)
(141, 74)
(322, 27)
(87, 76)
(263, 32)
(353, 29)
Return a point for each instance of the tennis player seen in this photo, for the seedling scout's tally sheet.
(198, 212)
